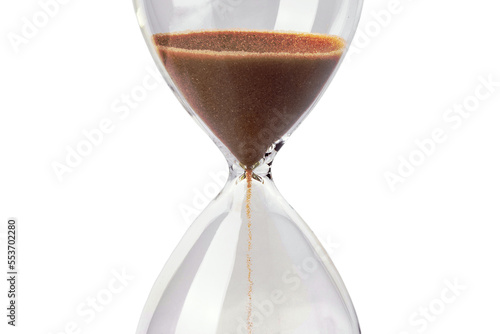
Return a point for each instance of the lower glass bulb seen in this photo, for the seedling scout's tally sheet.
(249, 265)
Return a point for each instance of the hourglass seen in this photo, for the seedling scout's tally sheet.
(249, 72)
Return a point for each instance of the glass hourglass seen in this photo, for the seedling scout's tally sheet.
(248, 71)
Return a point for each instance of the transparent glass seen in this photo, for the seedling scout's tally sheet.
(248, 71)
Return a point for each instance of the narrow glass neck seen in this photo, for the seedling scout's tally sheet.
(261, 169)
(259, 173)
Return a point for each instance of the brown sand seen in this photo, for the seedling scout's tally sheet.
(249, 87)
(248, 176)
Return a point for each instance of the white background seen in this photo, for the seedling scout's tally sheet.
(120, 208)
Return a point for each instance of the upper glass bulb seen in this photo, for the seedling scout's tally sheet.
(248, 70)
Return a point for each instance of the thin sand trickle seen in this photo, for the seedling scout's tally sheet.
(249, 251)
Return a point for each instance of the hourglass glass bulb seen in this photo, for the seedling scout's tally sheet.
(248, 72)
(220, 57)
(249, 264)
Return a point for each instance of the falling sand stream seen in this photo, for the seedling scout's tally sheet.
(249, 251)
